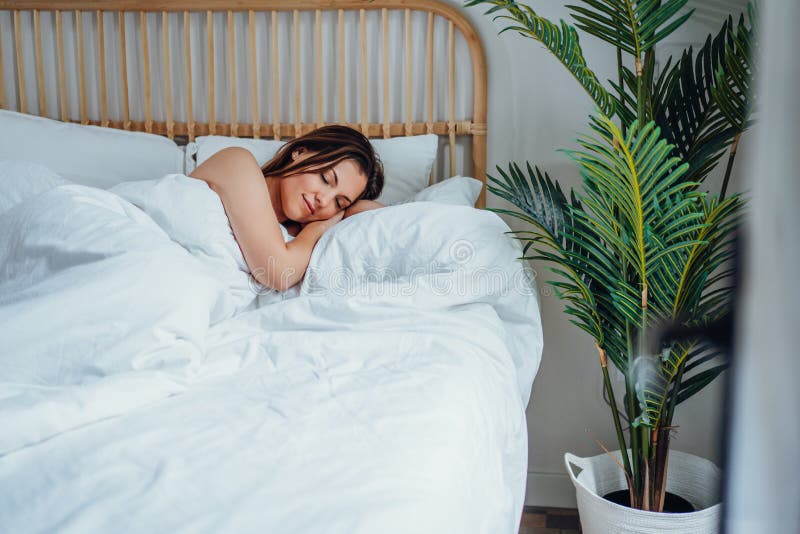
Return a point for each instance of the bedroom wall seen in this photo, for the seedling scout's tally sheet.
(536, 108)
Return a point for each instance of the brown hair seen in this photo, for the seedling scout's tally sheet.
(330, 145)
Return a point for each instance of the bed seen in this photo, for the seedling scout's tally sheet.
(148, 384)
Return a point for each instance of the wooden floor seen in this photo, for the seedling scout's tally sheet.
(537, 520)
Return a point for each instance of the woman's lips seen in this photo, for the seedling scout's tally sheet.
(308, 205)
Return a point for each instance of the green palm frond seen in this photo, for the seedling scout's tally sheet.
(562, 40)
(559, 238)
(640, 244)
(636, 217)
(694, 384)
(633, 26)
(657, 379)
(641, 212)
(654, 376)
(733, 90)
(542, 203)
(625, 103)
(699, 109)
(636, 175)
(696, 286)
(683, 222)
(689, 116)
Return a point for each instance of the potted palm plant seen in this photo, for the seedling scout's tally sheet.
(642, 242)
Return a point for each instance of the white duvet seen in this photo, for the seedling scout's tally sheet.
(147, 384)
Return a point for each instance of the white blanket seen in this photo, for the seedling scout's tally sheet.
(145, 388)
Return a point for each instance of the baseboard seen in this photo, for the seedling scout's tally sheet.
(553, 490)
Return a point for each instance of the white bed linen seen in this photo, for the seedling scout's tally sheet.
(133, 397)
(89, 155)
(37, 179)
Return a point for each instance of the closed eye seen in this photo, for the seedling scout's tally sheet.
(339, 204)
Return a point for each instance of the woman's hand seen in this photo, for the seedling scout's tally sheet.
(357, 207)
(294, 228)
(362, 205)
(327, 223)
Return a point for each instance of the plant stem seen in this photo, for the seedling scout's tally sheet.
(673, 401)
(639, 93)
(642, 351)
(621, 96)
(649, 59)
(662, 447)
(731, 157)
(646, 455)
(615, 412)
(644, 495)
(631, 409)
(661, 461)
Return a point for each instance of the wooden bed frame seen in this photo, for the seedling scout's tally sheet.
(473, 128)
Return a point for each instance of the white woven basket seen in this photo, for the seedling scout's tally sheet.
(691, 477)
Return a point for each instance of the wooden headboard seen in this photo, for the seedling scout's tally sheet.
(169, 107)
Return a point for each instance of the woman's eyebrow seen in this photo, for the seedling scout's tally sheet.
(336, 181)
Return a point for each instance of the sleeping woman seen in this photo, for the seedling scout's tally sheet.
(313, 182)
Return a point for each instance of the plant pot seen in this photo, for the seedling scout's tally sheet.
(695, 479)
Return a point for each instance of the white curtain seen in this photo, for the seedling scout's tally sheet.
(763, 493)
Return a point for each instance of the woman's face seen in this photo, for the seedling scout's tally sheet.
(318, 195)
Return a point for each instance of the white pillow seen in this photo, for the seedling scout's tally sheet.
(458, 190)
(430, 256)
(410, 240)
(22, 179)
(262, 149)
(407, 161)
(87, 155)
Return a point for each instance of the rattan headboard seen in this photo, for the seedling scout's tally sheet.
(110, 19)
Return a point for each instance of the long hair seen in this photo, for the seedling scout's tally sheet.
(330, 145)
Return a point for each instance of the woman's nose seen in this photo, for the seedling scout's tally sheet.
(325, 199)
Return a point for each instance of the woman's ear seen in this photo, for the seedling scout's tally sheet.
(298, 152)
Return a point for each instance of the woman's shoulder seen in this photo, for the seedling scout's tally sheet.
(229, 165)
(234, 153)
(233, 157)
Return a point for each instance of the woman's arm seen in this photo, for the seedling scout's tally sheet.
(234, 174)
(362, 205)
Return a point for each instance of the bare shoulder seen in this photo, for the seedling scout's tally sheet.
(232, 166)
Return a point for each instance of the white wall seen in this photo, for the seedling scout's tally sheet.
(535, 108)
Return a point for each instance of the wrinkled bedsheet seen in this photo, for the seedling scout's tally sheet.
(148, 384)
